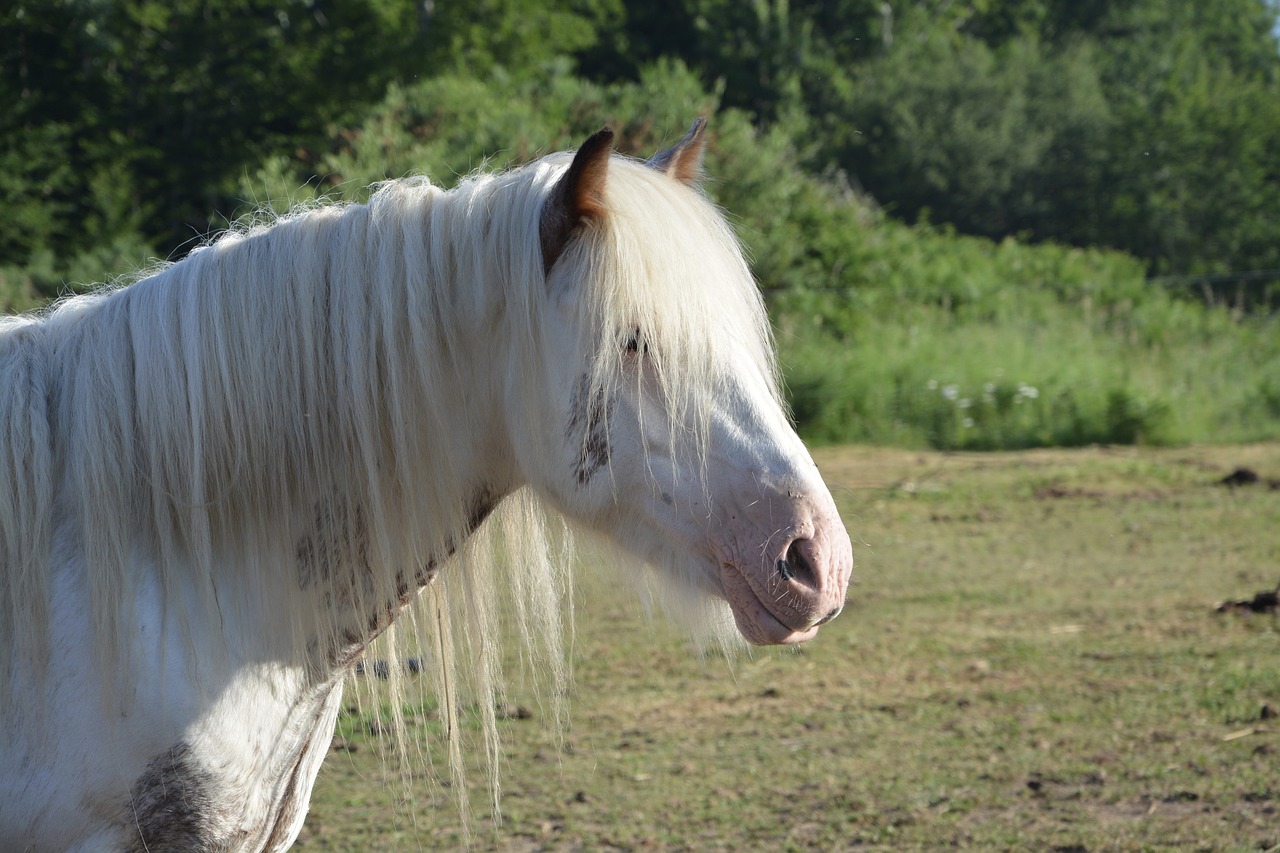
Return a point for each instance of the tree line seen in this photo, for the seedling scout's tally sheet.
(1151, 127)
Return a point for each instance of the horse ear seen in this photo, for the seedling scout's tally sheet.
(577, 197)
(683, 161)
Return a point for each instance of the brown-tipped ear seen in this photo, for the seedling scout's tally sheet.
(577, 196)
(683, 161)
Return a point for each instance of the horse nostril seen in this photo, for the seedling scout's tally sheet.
(795, 565)
(825, 619)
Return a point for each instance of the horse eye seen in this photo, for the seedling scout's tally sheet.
(635, 343)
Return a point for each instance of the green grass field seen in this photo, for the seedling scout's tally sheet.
(1031, 660)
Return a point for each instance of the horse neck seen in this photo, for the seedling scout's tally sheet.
(404, 451)
(314, 407)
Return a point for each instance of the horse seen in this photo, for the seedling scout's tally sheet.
(224, 479)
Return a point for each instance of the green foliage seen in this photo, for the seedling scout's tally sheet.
(1117, 126)
(139, 113)
(1146, 126)
(1196, 175)
(445, 127)
(45, 277)
(889, 334)
(1032, 371)
(475, 38)
(995, 140)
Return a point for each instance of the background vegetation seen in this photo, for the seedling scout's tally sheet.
(979, 224)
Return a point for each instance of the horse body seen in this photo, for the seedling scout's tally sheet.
(230, 477)
(227, 766)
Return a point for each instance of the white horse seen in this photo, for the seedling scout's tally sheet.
(219, 483)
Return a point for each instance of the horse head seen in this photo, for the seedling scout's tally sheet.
(662, 424)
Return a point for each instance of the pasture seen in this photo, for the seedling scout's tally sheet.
(1030, 660)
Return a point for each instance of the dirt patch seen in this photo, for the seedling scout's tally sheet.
(1066, 818)
(1052, 493)
(1248, 477)
(982, 516)
(1267, 601)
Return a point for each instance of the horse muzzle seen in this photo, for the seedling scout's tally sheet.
(797, 588)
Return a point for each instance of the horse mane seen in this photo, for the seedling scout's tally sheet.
(288, 373)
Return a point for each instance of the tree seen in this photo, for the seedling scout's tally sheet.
(518, 35)
(1150, 127)
(994, 140)
(141, 112)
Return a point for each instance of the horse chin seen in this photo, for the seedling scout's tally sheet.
(755, 621)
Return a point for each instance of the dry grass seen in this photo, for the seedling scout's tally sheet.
(1031, 660)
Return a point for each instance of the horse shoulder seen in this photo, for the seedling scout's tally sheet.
(239, 791)
(224, 765)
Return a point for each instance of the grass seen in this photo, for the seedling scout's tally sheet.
(1042, 373)
(1031, 660)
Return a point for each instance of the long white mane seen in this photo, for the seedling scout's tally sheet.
(278, 402)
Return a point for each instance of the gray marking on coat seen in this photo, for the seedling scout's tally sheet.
(171, 807)
(351, 644)
(337, 539)
(589, 414)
